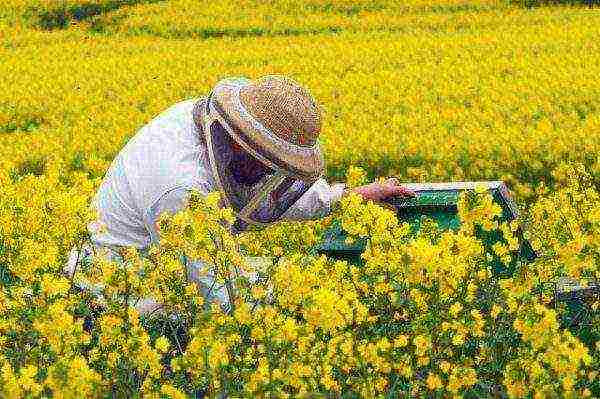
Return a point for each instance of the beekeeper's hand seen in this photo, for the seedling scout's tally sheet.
(380, 191)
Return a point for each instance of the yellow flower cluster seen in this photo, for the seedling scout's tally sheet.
(424, 90)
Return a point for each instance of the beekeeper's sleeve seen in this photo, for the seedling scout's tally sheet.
(316, 202)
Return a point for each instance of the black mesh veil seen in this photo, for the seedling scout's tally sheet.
(259, 194)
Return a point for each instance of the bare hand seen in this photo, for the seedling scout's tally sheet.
(380, 191)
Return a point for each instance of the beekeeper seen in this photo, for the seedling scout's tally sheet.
(254, 141)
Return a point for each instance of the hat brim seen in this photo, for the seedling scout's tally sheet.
(304, 161)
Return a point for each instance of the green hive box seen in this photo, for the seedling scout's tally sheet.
(437, 201)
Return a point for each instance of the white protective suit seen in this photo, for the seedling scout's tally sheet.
(154, 173)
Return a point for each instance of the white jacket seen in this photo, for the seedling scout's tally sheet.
(154, 173)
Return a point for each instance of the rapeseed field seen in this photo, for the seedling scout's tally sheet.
(425, 90)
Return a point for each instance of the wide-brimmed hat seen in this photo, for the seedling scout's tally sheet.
(276, 117)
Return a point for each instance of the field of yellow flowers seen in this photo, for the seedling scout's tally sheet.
(425, 90)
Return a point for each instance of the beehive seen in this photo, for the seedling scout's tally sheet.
(437, 201)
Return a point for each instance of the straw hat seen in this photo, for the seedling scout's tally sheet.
(277, 118)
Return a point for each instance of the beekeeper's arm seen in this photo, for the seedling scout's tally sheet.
(316, 202)
(320, 198)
